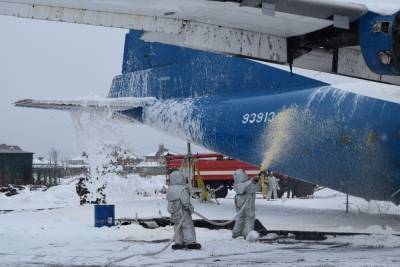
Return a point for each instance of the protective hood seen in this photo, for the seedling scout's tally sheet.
(177, 178)
(240, 176)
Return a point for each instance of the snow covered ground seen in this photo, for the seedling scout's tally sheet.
(64, 235)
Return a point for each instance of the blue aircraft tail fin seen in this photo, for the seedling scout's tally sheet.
(166, 71)
(140, 55)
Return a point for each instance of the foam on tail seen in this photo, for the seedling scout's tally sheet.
(167, 71)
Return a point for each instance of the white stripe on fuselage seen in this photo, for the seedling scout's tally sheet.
(249, 172)
(381, 91)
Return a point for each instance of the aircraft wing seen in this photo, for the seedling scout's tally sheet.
(172, 16)
(271, 30)
(109, 104)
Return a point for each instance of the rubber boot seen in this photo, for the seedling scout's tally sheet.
(193, 246)
(178, 246)
(236, 236)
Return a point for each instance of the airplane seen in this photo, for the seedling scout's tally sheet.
(307, 88)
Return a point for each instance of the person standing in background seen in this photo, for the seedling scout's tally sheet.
(273, 186)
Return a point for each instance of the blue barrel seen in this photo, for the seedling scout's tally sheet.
(104, 215)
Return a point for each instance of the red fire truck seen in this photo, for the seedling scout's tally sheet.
(216, 171)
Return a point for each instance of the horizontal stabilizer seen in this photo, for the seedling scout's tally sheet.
(112, 104)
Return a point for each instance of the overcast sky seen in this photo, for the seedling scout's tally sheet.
(40, 59)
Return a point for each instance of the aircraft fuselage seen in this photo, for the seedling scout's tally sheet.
(293, 124)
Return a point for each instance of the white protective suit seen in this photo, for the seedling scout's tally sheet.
(245, 195)
(178, 196)
(273, 187)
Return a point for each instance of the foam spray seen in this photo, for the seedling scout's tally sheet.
(278, 135)
(99, 137)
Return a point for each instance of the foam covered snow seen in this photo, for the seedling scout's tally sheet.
(66, 236)
(63, 195)
(253, 236)
(119, 189)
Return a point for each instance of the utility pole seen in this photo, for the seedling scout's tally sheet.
(347, 203)
(189, 164)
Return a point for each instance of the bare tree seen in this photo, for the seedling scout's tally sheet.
(54, 156)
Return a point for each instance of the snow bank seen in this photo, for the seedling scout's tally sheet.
(63, 195)
(119, 189)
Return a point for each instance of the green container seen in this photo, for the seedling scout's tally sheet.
(15, 167)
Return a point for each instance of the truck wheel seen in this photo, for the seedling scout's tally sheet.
(303, 189)
(222, 193)
(280, 193)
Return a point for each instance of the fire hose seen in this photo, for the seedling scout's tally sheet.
(220, 223)
(147, 253)
(108, 264)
